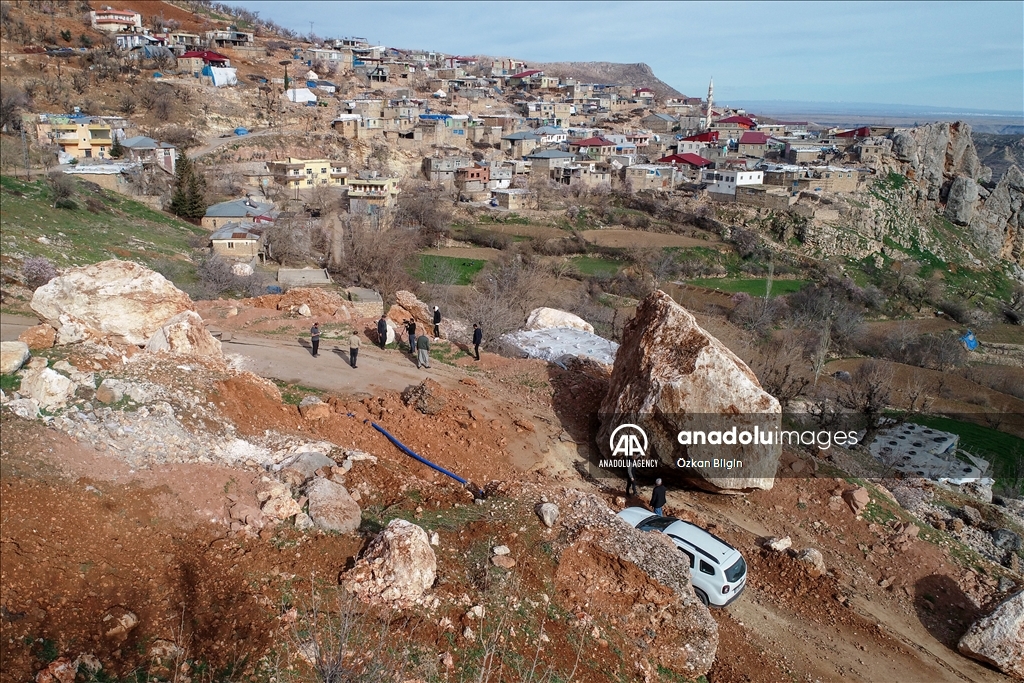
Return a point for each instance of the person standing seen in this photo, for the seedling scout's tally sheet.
(382, 332)
(410, 329)
(631, 489)
(658, 497)
(437, 323)
(353, 349)
(314, 337)
(423, 344)
(478, 337)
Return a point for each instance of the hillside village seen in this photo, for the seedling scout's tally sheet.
(189, 188)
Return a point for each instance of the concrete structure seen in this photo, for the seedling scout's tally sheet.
(725, 181)
(82, 137)
(303, 277)
(115, 20)
(519, 144)
(753, 144)
(231, 37)
(443, 169)
(150, 152)
(660, 177)
(371, 195)
(195, 61)
(595, 148)
(515, 199)
(237, 242)
(298, 174)
(244, 210)
(916, 450)
(659, 123)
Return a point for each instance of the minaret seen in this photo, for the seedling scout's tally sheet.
(711, 103)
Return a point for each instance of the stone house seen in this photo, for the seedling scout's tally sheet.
(111, 20)
(658, 177)
(519, 144)
(443, 169)
(515, 199)
(245, 210)
(237, 242)
(659, 123)
(753, 144)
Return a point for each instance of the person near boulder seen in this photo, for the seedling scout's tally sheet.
(314, 337)
(658, 497)
(437, 323)
(410, 329)
(478, 337)
(423, 344)
(631, 488)
(353, 349)
(382, 332)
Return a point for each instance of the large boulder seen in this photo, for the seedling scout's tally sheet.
(680, 384)
(397, 568)
(120, 300)
(331, 507)
(998, 639)
(547, 318)
(185, 334)
(47, 386)
(408, 306)
(13, 354)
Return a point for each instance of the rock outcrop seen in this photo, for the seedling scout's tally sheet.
(998, 639)
(13, 354)
(998, 225)
(548, 318)
(185, 334)
(963, 194)
(117, 299)
(671, 376)
(936, 153)
(397, 568)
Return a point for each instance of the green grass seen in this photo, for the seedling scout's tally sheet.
(292, 394)
(754, 287)
(999, 448)
(10, 383)
(446, 353)
(448, 270)
(595, 265)
(117, 227)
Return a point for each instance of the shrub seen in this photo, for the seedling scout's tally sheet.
(37, 271)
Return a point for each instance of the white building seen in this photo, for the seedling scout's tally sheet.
(725, 181)
(115, 20)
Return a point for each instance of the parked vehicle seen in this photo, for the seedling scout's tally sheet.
(717, 570)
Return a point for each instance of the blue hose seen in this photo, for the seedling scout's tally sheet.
(408, 451)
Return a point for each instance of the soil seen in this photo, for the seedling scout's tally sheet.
(639, 239)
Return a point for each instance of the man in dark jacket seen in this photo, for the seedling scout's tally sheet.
(423, 344)
(478, 337)
(437, 323)
(410, 330)
(382, 332)
(314, 337)
(658, 497)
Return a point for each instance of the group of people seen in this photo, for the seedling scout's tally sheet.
(419, 346)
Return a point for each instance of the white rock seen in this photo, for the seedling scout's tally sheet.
(331, 507)
(501, 550)
(547, 318)
(47, 386)
(998, 639)
(548, 513)
(13, 355)
(118, 299)
(778, 544)
(27, 408)
(241, 270)
(398, 567)
(304, 311)
(185, 334)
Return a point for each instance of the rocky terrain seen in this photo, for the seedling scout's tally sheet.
(641, 75)
(230, 518)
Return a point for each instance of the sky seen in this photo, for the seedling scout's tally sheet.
(957, 55)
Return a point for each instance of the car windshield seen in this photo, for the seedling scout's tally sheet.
(736, 572)
(657, 523)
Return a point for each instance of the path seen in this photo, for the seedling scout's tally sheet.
(215, 142)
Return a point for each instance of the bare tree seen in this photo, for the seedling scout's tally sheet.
(868, 393)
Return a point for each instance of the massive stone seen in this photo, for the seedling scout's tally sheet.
(408, 306)
(13, 355)
(936, 153)
(398, 566)
(998, 639)
(331, 507)
(47, 386)
(672, 376)
(39, 337)
(998, 225)
(963, 194)
(117, 299)
(547, 318)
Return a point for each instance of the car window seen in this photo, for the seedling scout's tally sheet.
(656, 523)
(692, 558)
(706, 568)
(736, 572)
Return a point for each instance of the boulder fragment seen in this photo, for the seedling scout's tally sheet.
(398, 567)
(39, 337)
(331, 507)
(13, 355)
(185, 334)
(998, 639)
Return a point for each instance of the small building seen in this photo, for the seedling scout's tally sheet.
(543, 161)
(725, 181)
(372, 195)
(596, 148)
(688, 165)
(151, 152)
(181, 42)
(659, 123)
(195, 61)
(230, 37)
(802, 154)
(111, 20)
(245, 210)
(656, 177)
(473, 178)
(301, 174)
(753, 144)
(550, 135)
(82, 137)
(237, 242)
(514, 199)
(443, 169)
(347, 125)
(519, 144)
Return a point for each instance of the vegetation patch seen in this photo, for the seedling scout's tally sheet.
(755, 287)
(448, 270)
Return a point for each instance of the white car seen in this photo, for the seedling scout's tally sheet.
(717, 570)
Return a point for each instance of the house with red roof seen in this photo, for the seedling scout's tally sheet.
(753, 144)
(708, 136)
(194, 61)
(528, 77)
(688, 165)
(595, 148)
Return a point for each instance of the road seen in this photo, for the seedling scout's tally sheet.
(215, 142)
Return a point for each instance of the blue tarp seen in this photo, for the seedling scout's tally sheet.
(970, 341)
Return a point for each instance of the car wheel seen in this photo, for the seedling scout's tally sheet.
(702, 596)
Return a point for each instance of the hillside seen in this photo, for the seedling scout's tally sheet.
(999, 152)
(640, 75)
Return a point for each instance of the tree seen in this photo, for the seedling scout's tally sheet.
(116, 148)
(188, 198)
(63, 189)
